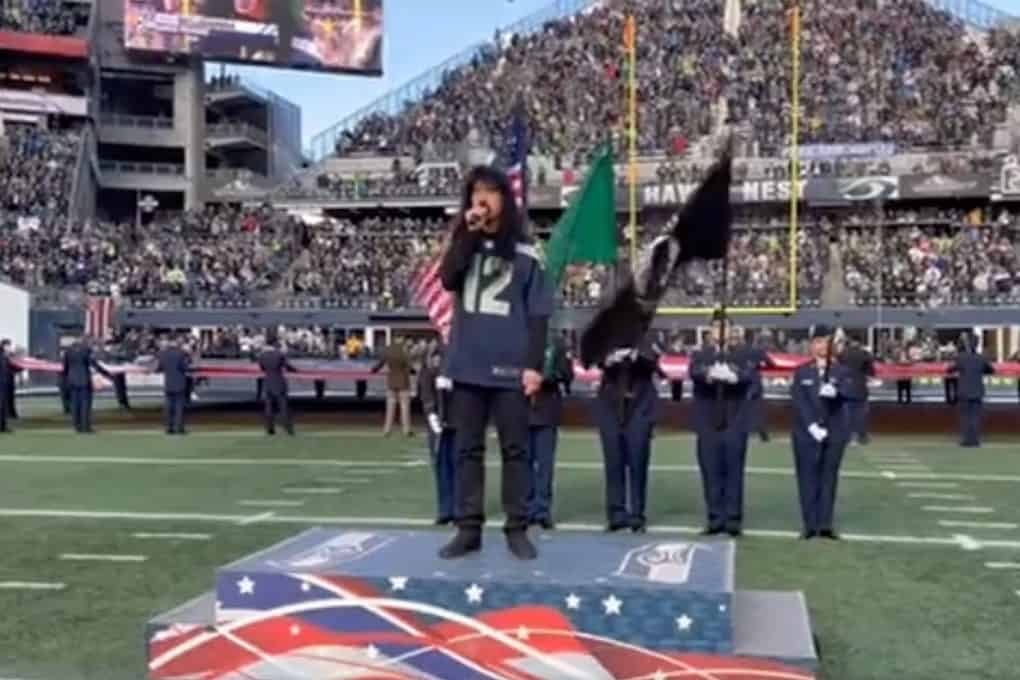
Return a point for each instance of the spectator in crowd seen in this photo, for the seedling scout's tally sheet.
(49, 17)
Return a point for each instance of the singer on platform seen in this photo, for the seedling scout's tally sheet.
(495, 354)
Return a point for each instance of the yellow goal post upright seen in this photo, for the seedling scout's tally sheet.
(791, 303)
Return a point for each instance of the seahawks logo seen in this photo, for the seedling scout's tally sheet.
(869, 188)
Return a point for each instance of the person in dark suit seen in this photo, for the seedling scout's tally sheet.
(757, 358)
(77, 375)
(721, 419)
(274, 364)
(436, 393)
(861, 366)
(821, 431)
(543, 429)
(7, 373)
(625, 413)
(175, 365)
(970, 369)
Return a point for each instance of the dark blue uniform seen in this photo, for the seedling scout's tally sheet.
(502, 308)
(274, 389)
(437, 402)
(758, 359)
(721, 418)
(175, 364)
(7, 371)
(544, 422)
(77, 376)
(817, 463)
(971, 369)
(625, 412)
(861, 366)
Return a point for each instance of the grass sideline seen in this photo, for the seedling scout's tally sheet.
(883, 609)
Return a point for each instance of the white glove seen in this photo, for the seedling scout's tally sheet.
(443, 383)
(434, 423)
(818, 432)
(827, 391)
(621, 355)
(716, 372)
(729, 375)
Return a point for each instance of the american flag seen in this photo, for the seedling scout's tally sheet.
(428, 290)
(99, 317)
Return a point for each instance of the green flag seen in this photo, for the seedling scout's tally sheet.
(587, 230)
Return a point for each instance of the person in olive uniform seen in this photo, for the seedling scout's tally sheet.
(544, 422)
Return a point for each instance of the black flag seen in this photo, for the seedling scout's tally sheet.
(701, 230)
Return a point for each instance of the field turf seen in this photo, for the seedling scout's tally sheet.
(906, 596)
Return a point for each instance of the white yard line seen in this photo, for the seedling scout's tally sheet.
(255, 519)
(86, 557)
(928, 485)
(270, 504)
(963, 524)
(943, 496)
(949, 541)
(969, 509)
(314, 490)
(171, 536)
(1002, 565)
(30, 585)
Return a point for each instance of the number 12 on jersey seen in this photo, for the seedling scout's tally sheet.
(486, 280)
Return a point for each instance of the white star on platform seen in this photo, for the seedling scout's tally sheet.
(372, 652)
(246, 586)
(612, 605)
(573, 601)
(658, 675)
(398, 583)
(684, 623)
(474, 593)
(522, 633)
(295, 630)
(305, 587)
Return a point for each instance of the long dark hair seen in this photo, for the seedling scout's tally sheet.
(511, 226)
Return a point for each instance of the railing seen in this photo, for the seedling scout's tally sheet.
(242, 130)
(130, 167)
(323, 143)
(235, 84)
(146, 122)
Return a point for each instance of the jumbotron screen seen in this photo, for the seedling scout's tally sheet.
(326, 35)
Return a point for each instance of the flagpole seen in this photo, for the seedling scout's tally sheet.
(630, 40)
(794, 147)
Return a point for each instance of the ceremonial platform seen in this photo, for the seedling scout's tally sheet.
(380, 604)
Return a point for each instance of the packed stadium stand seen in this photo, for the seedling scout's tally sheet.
(174, 189)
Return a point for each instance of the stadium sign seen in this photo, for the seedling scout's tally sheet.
(945, 186)
(1009, 180)
(818, 152)
(748, 191)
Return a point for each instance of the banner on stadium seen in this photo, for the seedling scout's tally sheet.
(814, 190)
(1009, 180)
(47, 45)
(945, 186)
(818, 152)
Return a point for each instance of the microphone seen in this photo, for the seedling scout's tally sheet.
(476, 217)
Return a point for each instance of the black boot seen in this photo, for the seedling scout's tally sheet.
(464, 542)
(520, 545)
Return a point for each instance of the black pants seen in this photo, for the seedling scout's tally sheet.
(473, 408)
(81, 408)
(173, 412)
(277, 404)
(951, 386)
(903, 389)
(12, 409)
(970, 422)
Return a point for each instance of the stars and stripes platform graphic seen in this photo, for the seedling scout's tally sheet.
(373, 604)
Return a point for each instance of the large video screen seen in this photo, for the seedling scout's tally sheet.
(327, 35)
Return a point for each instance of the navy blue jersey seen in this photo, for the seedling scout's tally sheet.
(489, 338)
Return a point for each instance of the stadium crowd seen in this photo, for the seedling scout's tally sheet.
(936, 84)
(50, 17)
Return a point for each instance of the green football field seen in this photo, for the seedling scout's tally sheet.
(926, 586)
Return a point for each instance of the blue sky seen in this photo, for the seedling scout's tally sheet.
(419, 34)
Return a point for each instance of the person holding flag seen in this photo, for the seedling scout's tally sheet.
(544, 422)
